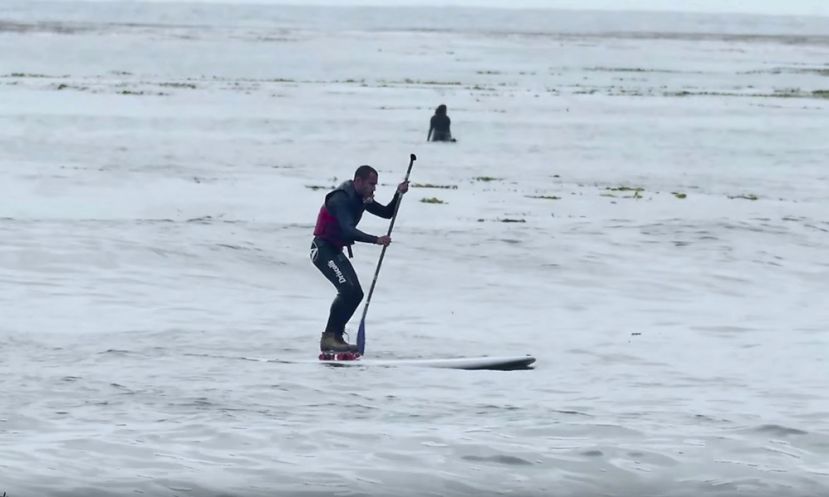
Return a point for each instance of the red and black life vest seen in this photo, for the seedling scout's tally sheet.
(328, 227)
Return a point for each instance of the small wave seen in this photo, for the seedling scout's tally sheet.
(779, 430)
(117, 351)
(500, 459)
(573, 413)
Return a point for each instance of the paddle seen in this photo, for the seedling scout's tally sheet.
(361, 331)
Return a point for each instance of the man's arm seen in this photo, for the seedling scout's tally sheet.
(384, 211)
(338, 207)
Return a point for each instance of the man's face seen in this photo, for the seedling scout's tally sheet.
(366, 187)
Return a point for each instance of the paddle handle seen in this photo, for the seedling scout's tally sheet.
(412, 158)
(361, 332)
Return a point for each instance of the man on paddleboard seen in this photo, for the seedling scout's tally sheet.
(337, 229)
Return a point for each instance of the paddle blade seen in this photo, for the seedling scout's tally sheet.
(361, 337)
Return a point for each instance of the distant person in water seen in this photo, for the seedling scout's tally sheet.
(439, 126)
(336, 229)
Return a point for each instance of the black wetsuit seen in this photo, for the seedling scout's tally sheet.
(439, 128)
(335, 229)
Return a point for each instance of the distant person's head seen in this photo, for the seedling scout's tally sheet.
(441, 110)
(365, 181)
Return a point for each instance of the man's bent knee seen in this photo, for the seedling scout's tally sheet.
(353, 295)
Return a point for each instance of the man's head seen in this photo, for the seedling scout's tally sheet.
(365, 181)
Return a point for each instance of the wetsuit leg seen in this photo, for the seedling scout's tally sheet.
(335, 266)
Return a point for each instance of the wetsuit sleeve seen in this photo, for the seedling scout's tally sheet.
(337, 205)
(384, 211)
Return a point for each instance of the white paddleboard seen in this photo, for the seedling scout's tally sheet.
(508, 363)
(503, 363)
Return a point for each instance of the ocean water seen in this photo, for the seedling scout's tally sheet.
(638, 200)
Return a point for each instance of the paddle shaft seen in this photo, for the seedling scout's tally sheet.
(412, 158)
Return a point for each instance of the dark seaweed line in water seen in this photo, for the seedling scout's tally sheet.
(85, 27)
(82, 27)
